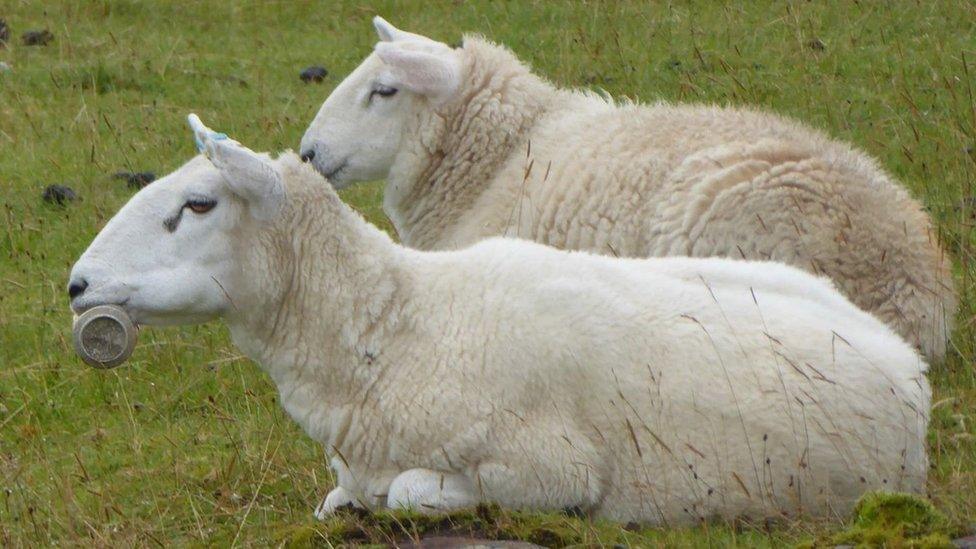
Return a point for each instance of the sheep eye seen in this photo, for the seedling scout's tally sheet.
(382, 91)
(200, 206)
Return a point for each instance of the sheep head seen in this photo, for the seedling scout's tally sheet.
(170, 255)
(357, 133)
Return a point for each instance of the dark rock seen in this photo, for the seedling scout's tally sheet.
(313, 74)
(135, 180)
(816, 44)
(59, 194)
(37, 38)
(4, 33)
(968, 542)
(457, 542)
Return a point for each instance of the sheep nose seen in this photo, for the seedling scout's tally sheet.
(77, 287)
(308, 155)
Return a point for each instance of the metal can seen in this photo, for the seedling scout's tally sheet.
(104, 336)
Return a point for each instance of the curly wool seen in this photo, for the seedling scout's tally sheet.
(665, 391)
(515, 156)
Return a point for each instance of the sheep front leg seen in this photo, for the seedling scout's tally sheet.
(337, 498)
(430, 491)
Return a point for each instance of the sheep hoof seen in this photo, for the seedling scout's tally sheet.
(431, 492)
(338, 499)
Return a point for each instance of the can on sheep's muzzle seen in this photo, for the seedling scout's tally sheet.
(104, 336)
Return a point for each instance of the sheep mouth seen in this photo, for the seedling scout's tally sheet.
(333, 173)
(79, 308)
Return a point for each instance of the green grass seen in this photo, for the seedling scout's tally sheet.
(187, 443)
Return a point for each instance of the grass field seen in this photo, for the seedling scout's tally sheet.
(186, 443)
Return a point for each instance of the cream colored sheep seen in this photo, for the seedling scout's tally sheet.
(473, 145)
(663, 390)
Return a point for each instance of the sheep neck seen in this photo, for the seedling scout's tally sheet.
(463, 143)
(318, 294)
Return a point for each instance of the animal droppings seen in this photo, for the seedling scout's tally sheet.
(37, 38)
(59, 194)
(816, 44)
(135, 180)
(313, 74)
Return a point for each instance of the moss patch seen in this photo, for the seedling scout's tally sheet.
(893, 520)
(879, 520)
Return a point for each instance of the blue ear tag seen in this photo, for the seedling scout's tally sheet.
(213, 136)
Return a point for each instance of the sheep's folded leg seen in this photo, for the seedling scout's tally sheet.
(339, 497)
(430, 491)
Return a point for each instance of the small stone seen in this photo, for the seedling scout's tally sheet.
(59, 194)
(4, 67)
(4, 33)
(816, 44)
(37, 38)
(313, 74)
(135, 180)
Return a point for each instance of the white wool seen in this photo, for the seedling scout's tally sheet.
(663, 390)
(508, 154)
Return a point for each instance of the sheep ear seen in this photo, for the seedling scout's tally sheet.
(428, 70)
(389, 33)
(384, 29)
(248, 174)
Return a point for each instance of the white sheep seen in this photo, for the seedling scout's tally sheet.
(473, 145)
(658, 390)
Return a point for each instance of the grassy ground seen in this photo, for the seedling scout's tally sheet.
(187, 444)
